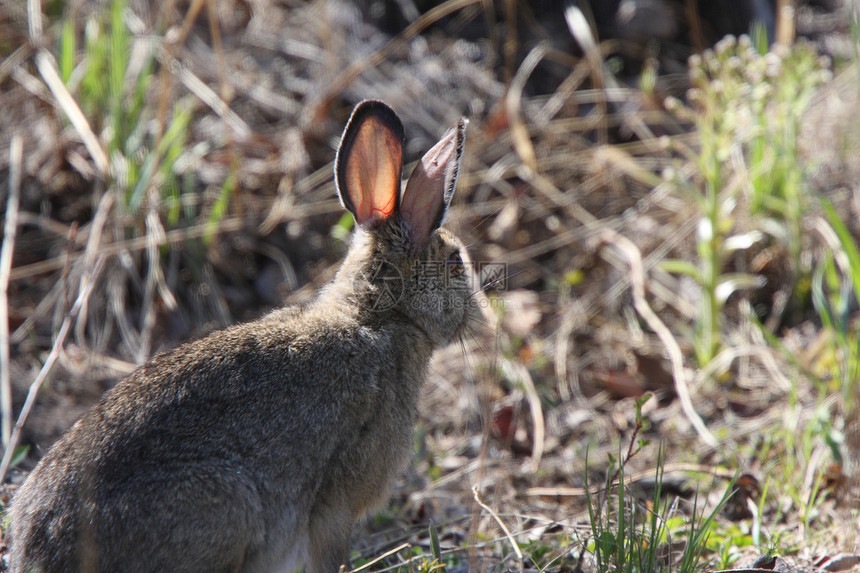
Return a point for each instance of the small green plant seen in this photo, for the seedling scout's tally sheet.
(540, 552)
(110, 84)
(422, 563)
(435, 547)
(625, 533)
(788, 448)
(835, 288)
(784, 82)
(635, 535)
(698, 534)
(727, 543)
(19, 455)
(746, 109)
(629, 535)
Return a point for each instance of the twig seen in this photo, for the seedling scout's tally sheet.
(400, 547)
(507, 532)
(47, 67)
(92, 250)
(34, 19)
(637, 282)
(16, 149)
(513, 107)
(88, 280)
(134, 244)
(536, 411)
(581, 30)
(563, 491)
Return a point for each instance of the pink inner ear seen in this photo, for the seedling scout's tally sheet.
(424, 200)
(373, 172)
(422, 204)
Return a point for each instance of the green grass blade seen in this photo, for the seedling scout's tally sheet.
(219, 209)
(679, 267)
(118, 64)
(68, 48)
(435, 547)
(847, 243)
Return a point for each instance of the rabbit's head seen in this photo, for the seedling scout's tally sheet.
(402, 265)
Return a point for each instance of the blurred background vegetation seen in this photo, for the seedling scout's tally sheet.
(670, 185)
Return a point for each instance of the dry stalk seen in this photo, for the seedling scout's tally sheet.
(10, 229)
(501, 523)
(536, 411)
(676, 357)
(723, 361)
(785, 22)
(154, 283)
(136, 244)
(88, 280)
(13, 62)
(47, 66)
(34, 19)
(116, 303)
(562, 342)
(513, 105)
(203, 92)
(92, 249)
(367, 565)
(581, 30)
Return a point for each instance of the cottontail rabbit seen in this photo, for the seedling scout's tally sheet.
(256, 448)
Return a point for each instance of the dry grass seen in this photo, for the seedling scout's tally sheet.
(570, 179)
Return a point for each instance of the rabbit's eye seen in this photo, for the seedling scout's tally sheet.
(455, 263)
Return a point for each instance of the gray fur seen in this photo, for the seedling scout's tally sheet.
(256, 448)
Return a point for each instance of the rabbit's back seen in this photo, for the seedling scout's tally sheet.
(228, 452)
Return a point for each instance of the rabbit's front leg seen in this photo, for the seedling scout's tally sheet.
(330, 533)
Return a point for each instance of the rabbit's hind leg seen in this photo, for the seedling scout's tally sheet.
(330, 533)
(194, 518)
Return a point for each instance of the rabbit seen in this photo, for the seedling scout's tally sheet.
(258, 447)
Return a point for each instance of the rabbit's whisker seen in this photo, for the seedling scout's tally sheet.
(477, 344)
(483, 220)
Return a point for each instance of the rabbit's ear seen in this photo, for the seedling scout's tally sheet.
(369, 163)
(431, 186)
